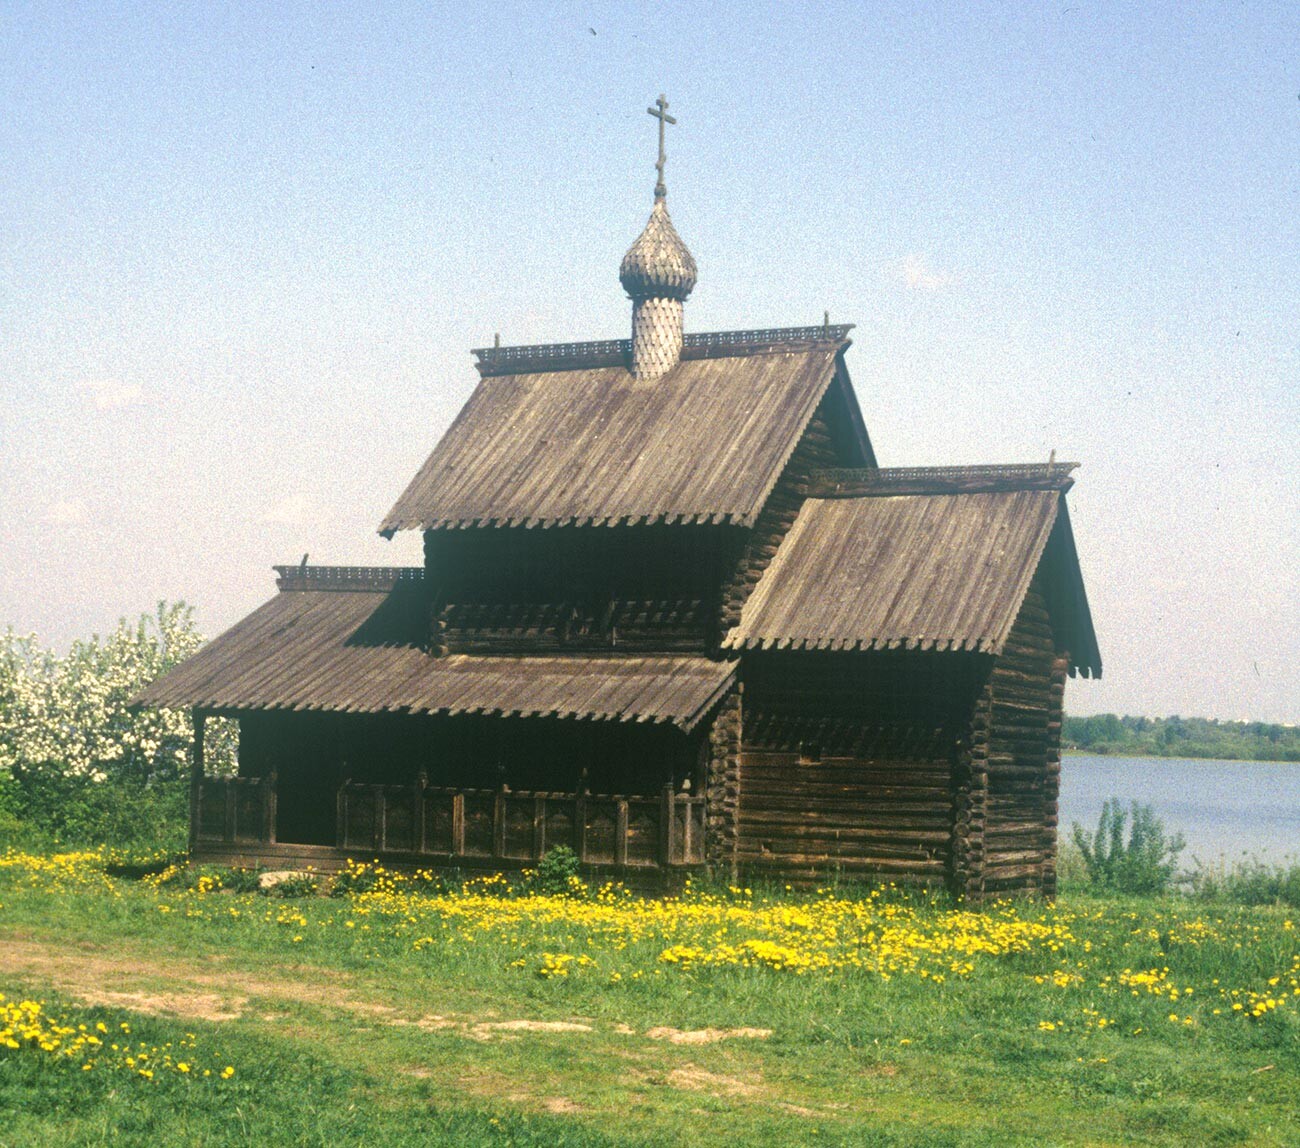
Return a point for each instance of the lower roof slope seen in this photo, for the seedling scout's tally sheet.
(347, 640)
(887, 560)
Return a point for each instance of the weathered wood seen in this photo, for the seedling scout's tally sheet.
(816, 863)
(938, 480)
(197, 767)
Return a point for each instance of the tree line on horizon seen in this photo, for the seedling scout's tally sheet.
(1176, 736)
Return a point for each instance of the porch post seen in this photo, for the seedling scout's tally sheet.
(199, 718)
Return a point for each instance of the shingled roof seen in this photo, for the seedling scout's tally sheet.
(922, 559)
(564, 434)
(348, 640)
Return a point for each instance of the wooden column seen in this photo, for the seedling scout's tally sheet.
(199, 719)
(722, 786)
(666, 826)
(269, 807)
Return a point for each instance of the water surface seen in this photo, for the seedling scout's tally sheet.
(1225, 809)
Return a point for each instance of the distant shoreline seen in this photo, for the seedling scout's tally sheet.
(1176, 757)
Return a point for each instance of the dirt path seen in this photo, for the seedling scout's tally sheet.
(100, 975)
(204, 990)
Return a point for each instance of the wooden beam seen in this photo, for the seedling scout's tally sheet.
(199, 719)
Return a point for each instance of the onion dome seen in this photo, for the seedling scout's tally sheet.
(658, 265)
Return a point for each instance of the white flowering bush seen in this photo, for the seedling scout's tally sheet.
(69, 744)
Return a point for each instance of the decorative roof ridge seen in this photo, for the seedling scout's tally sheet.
(866, 482)
(367, 579)
(543, 357)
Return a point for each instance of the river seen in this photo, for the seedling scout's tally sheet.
(1224, 809)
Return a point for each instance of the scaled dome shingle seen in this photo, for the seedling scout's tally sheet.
(658, 265)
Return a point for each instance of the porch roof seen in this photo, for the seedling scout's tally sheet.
(348, 640)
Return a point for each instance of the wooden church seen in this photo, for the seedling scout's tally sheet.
(674, 616)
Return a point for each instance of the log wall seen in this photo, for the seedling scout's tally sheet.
(722, 785)
(1022, 717)
(848, 763)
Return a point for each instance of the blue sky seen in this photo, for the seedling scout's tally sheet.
(246, 250)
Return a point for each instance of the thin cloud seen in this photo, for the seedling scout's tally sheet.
(66, 512)
(917, 275)
(293, 510)
(109, 394)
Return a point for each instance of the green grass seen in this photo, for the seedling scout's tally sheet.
(352, 1035)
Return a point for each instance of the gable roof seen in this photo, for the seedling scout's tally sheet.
(564, 434)
(921, 559)
(347, 639)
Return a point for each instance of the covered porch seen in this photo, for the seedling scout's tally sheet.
(235, 823)
(478, 789)
(357, 739)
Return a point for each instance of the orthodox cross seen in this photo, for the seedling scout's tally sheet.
(660, 112)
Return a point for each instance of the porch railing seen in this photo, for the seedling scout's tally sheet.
(234, 809)
(513, 826)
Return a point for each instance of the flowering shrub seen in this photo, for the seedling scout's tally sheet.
(75, 761)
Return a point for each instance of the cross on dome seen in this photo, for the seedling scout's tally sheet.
(660, 112)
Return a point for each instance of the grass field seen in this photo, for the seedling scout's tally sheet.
(401, 1013)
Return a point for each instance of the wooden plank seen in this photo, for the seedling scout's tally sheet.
(620, 832)
(197, 768)
(458, 825)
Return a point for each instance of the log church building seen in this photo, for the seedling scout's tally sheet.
(673, 615)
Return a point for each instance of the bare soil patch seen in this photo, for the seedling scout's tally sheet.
(706, 1035)
(693, 1078)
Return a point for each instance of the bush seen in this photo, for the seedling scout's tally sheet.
(557, 874)
(77, 810)
(1248, 882)
(304, 884)
(1142, 863)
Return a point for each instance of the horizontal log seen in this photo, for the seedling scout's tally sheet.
(865, 790)
(1004, 873)
(1000, 846)
(1023, 755)
(918, 775)
(785, 759)
(840, 847)
(935, 830)
(815, 865)
(849, 804)
(859, 800)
